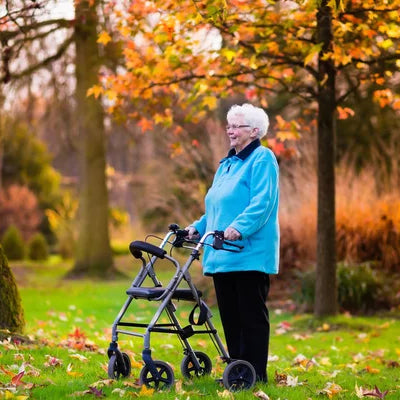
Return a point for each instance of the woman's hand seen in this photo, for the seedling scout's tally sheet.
(192, 232)
(231, 234)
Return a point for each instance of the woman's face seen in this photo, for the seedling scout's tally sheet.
(239, 132)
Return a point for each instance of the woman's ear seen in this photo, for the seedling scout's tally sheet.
(254, 133)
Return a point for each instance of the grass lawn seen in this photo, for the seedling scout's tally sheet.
(69, 323)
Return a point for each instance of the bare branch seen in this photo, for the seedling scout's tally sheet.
(13, 15)
(60, 22)
(61, 50)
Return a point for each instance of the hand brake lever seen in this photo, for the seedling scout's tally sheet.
(219, 241)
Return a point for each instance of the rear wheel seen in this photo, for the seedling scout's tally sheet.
(188, 368)
(239, 375)
(164, 380)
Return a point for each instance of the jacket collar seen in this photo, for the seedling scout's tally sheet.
(243, 154)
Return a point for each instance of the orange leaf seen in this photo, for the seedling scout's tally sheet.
(6, 371)
(145, 391)
(343, 113)
(95, 90)
(77, 334)
(371, 370)
(145, 124)
(104, 38)
(396, 104)
(291, 348)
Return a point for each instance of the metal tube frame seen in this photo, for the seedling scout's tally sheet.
(166, 304)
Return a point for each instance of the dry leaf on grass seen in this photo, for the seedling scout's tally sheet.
(261, 395)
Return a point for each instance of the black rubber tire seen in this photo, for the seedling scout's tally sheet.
(166, 380)
(239, 375)
(115, 370)
(189, 370)
(128, 366)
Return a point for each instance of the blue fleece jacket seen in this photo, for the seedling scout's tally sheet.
(245, 196)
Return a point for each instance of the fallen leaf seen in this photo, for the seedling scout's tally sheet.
(6, 371)
(145, 391)
(393, 364)
(325, 361)
(371, 370)
(79, 357)
(261, 395)
(377, 393)
(52, 361)
(119, 391)
(331, 389)
(72, 373)
(102, 383)
(135, 384)
(291, 348)
(226, 394)
(359, 391)
(280, 378)
(17, 379)
(96, 392)
(358, 357)
(31, 370)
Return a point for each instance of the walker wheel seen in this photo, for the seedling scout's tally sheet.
(188, 367)
(165, 379)
(239, 375)
(115, 369)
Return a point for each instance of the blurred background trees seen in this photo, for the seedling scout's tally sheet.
(158, 144)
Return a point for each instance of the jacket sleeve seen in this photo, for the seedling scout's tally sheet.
(200, 224)
(264, 198)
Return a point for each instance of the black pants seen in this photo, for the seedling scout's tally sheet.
(241, 300)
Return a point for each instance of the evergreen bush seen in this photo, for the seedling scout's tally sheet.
(38, 248)
(360, 289)
(13, 244)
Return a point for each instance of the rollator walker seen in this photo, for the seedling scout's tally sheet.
(237, 375)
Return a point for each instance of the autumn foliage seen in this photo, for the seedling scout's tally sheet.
(190, 55)
(19, 207)
(367, 218)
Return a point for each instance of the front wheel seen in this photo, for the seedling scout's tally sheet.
(239, 375)
(164, 380)
(115, 369)
(189, 369)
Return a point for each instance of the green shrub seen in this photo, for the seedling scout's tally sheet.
(63, 223)
(360, 289)
(119, 249)
(38, 248)
(13, 244)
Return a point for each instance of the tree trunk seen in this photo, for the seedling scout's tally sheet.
(93, 257)
(2, 134)
(325, 290)
(11, 312)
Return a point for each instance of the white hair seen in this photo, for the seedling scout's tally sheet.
(256, 117)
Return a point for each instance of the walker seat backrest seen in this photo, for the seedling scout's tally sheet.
(138, 246)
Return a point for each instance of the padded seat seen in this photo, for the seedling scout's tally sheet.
(154, 292)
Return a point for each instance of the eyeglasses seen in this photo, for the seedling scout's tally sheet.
(236, 127)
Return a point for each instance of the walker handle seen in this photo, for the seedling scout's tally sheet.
(219, 241)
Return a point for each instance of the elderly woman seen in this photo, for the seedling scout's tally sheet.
(243, 202)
